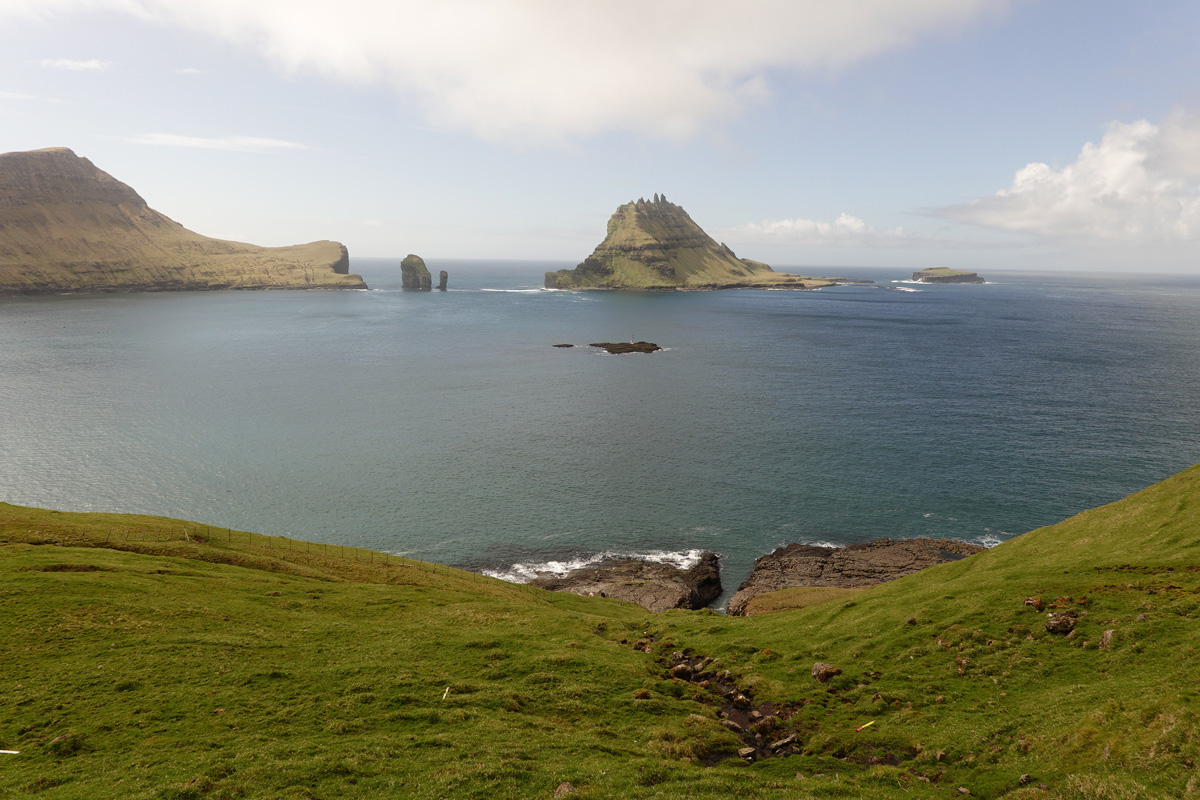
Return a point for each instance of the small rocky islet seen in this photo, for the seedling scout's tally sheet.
(659, 586)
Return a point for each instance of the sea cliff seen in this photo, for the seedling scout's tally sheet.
(67, 226)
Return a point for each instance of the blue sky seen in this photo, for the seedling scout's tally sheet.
(910, 133)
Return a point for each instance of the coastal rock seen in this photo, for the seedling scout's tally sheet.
(617, 348)
(414, 275)
(858, 565)
(654, 244)
(945, 275)
(67, 226)
(654, 586)
(443, 277)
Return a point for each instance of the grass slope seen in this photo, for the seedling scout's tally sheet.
(147, 657)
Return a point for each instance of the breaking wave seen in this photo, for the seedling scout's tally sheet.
(526, 572)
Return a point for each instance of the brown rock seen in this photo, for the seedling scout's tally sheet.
(1035, 603)
(564, 788)
(1106, 639)
(746, 752)
(825, 672)
(854, 566)
(655, 587)
(1060, 623)
(681, 671)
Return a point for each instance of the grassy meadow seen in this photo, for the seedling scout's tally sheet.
(152, 658)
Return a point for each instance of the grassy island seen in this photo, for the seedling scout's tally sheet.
(654, 245)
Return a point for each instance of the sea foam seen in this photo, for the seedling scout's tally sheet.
(526, 572)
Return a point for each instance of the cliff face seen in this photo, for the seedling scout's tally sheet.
(66, 226)
(654, 244)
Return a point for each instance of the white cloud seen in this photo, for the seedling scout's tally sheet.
(244, 144)
(16, 96)
(846, 230)
(549, 70)
(1141, 183)
(74, 65)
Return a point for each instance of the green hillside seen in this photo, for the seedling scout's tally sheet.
(153, 658)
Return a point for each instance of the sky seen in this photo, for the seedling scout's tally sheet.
(974, 134)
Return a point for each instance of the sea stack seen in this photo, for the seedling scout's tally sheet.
(415, 275)
(945, 275)
(443, 276)
(67, 226)
(654, 244)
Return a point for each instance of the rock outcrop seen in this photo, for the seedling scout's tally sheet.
(654, 244)
(618, 348)
(414, 275)
(654, 586)
(67, 226)
(858, 565)
(945, 275)
(443, 277)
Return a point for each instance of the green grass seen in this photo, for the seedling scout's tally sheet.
(151, 658)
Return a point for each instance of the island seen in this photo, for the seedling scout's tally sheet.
(414, 275)
(945, 275)
(67, 226)
(654, 245)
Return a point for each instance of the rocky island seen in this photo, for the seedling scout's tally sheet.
(414, 275)
(654, 244)
(67, 226)
(945, 275)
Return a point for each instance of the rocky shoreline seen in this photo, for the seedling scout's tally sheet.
(659, 586)
(652, 585)
(855, 566)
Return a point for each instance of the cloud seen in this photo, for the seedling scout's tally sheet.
(16, 96)
(73, 65)
(1141, 183)
(189, 71)
(846, 230)
(244, 144)
(548, 70)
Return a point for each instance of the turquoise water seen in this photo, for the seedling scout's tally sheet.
(446, 426)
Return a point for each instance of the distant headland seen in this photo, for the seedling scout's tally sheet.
(654, 245)
(67, 226)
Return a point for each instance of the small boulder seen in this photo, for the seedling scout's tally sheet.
(681, 671)
(1106, 639)
(746, 753)
(825, 672)
(1035, 603)
(564, 788)
(1060, 624)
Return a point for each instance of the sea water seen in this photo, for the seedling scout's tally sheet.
(446, 426)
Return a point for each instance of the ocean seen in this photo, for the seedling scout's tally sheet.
(446, 426)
